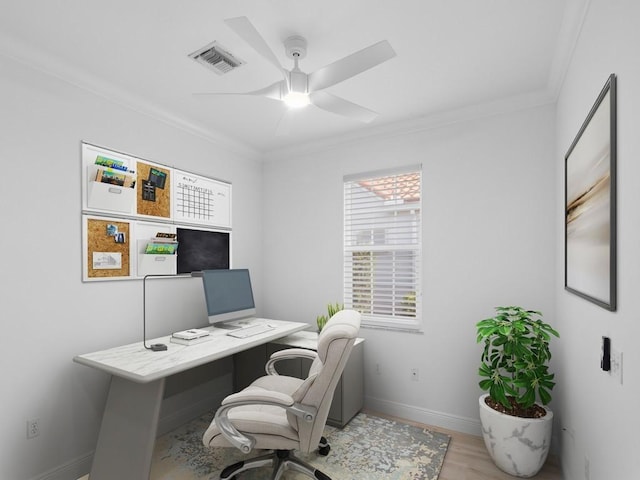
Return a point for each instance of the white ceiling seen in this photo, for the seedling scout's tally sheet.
(452, 56)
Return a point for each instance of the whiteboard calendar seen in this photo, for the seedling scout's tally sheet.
(201, 200)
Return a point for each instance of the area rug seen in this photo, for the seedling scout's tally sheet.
(367, 448)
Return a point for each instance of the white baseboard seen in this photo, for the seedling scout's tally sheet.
(437, 419)
(72, 469)
(423, 415)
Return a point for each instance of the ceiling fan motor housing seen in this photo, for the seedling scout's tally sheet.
(295, 46)
(298, 82)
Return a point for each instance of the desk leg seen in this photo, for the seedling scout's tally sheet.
(128, 431)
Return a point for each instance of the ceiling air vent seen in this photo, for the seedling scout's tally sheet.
(216, 58)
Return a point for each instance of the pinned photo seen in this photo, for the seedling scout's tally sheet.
(107, 261)
(148, 191)
(157, 177)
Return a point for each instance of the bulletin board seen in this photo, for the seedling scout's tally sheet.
(154, 190)
(108, 249)
(128, 201)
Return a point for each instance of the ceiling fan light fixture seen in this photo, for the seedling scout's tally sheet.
(296, 99)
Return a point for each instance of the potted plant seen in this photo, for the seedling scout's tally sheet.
(321, 320)
(514, 370)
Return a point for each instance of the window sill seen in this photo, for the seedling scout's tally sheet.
(391, 328)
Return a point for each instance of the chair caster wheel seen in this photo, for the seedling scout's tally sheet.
(323, 447)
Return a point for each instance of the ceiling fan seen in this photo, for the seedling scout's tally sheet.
(297, 88)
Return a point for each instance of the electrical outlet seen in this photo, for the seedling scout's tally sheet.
(616, 365)
(33, 428)
(414, 374)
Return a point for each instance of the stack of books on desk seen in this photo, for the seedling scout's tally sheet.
(191, 336)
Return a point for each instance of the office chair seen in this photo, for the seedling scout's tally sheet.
(283, 413)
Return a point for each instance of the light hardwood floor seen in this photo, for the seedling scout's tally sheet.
(467, 458)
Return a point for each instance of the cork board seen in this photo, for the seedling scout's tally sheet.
(108, 243)
(154, 190)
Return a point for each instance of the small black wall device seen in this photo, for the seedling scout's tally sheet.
(605, 360)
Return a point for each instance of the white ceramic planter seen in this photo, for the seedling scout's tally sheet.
(518, 446)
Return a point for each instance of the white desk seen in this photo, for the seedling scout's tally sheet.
(130, 420)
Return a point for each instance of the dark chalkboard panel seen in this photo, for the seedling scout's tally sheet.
(202, 250)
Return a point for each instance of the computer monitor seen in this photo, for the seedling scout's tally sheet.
(228, 295)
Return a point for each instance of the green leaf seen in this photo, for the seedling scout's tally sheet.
(545, 396)
(505, 329)
(528, 399)
(485, 384)
(509, 390)
(522, 383)
(497, 393)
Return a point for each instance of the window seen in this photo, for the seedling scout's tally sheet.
(382, 247)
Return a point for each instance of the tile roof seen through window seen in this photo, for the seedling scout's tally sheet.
(396, 187)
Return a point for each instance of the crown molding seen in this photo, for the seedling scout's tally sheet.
(573, 19)
(37, 59)
(419, 124)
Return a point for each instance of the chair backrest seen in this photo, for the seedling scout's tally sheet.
(335, 343)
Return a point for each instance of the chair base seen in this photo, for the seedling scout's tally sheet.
(279, 460)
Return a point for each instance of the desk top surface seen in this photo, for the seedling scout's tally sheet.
(136, 363)
(308, 340)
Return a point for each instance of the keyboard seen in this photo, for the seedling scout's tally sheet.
(251, 330)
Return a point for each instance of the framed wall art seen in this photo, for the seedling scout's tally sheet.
(590, 204)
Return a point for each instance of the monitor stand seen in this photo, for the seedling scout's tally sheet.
(227, 326)
(235, 324)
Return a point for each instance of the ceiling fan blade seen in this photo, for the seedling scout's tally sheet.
(351, 65)
(274, 91)
(338, 105)
(245, 29)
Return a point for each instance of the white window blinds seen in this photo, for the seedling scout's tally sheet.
(382, 247)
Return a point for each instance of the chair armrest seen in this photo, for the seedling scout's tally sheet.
(288, 354)
(244, 442)
(258, 396)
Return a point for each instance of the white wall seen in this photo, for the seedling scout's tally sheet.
(599, 414)
(493, 234)
(48, 314)
(489, 239)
